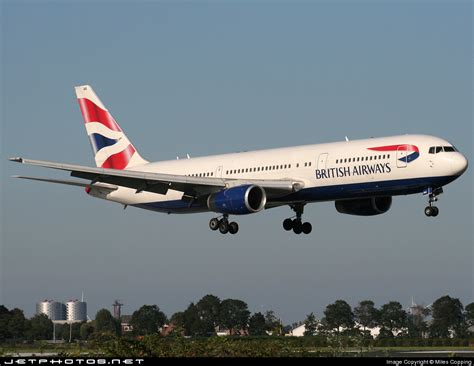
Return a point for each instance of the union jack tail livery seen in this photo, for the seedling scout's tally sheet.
(112, 149)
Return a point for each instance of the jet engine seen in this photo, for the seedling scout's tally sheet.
(365, 206)
(240, 200)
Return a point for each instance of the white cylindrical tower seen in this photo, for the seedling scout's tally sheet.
(53, 309)
(76, 311)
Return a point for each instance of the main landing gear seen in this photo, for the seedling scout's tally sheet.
(296, 224)
(430, 210)
(223, 225)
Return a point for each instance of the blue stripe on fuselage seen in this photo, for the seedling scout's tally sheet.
(325, 193)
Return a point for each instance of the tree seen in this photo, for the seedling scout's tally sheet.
(392, 319)
(257, 325)
(366, 314)
(339, 315)
(177, 324)
(272, 322)
(40, 328)
(147, 320)
(469, 314)
(208, 311)
(4, 319)
(191, 321)
(86, 330)
(310, 325)
(447, 315)
(17, 324)
(177, 319)
(106, 323)
(71, 331)
(416, 323)
(233, 315)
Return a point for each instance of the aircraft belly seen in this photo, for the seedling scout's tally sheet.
(366, 189)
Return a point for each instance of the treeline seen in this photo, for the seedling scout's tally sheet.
(205, 318)
(446, 318)
(14, 327)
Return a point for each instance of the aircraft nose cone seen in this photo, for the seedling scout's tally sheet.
(459, 164)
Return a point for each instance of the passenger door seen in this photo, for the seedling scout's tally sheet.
(322, 161)
(402, 157)
(219, 171)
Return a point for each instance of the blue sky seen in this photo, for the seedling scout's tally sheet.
(208, 77)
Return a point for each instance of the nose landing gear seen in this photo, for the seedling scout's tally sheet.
(296, 223)
(430, 210)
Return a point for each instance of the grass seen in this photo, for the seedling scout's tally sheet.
(75, 349)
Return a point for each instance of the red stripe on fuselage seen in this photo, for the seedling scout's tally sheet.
(395, 148)
(93, 113)
(120, 160)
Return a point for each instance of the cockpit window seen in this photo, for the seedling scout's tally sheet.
(438, 149)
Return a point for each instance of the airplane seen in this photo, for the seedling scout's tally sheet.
(360, 176)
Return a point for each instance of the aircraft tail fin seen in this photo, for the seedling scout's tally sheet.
(112, 149)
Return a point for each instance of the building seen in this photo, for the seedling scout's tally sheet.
(125, 323)
(76, 311)
(53, 309)
(298, 331)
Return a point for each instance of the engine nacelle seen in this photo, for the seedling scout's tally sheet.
(365, 206)
(240, 200)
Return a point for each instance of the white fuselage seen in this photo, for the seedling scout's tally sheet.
(386, 166)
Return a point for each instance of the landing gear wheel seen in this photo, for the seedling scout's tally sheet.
(288, 224)
(429, 211)
(433, 194)
(296, 224)
(306, 227)
(297, 227)
(233, 228)
(224, 227)
(214, 223)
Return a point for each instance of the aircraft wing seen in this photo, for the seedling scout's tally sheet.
(75, 183)
(160, 183)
